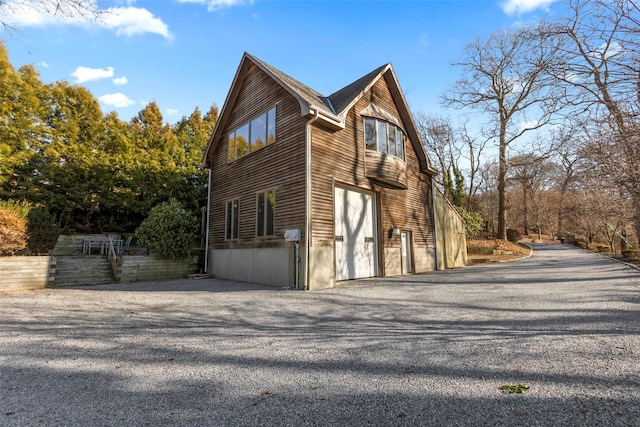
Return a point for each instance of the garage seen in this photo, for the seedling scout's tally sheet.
(355, 234)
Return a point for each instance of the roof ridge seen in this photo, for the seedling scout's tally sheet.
(343, 97)
(337, 101)
(309, 94)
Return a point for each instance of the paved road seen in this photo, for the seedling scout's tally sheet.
(422, 350)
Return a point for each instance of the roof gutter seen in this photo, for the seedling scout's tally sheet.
(333, 121)
(307, 201)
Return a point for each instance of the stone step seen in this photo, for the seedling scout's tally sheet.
(83, 270)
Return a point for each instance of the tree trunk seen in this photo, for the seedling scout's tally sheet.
(526, 209)
(636, 216)
(502, 184)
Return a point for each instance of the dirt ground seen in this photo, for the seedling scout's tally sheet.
(484, 250)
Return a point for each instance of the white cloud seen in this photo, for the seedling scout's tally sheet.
(529, 124)
(38, 13)
(43, 64)
(130, 21)
(84, 74)
(214, 5)
(518, 7)
(118, 100)
(120, 81)
(126, 21)
(608, 50)
(172, 111)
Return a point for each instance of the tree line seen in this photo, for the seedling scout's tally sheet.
(559, 101)
(91, 171)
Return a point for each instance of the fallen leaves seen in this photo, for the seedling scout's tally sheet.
(515, 388)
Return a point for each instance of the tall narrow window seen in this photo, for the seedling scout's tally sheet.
(231, 225)
(382, 137)
(400, 143)
(370, 133)
(258, 132)
(271, 126)
(265, 213)
(242, 141)
(392, 141)
(232, 147)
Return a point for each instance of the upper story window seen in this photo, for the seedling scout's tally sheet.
(384, 137)
(253, 135)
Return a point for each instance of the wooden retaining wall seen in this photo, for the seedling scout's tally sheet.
(26, 272)
(139, 268)
(451, 235)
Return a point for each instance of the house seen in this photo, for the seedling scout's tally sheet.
(308, 190)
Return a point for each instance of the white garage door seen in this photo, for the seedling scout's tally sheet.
(355, 234)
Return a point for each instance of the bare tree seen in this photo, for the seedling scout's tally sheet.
(505, 78)
(472, 149)
(537, 178)
(487, 196)
(75, 9)
(600, 71)
(439, 141)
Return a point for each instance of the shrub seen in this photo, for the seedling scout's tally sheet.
(13, 227)
(472, 220)
(513, 235)
(581, 243)
(42, 231)
(631, 253)
(602, 248)
(20, 208)
(168, 230)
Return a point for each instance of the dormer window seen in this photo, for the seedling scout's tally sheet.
(383, 137)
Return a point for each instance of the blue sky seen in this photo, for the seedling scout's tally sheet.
(184, 53)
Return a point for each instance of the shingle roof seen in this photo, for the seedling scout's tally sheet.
(337, 102)
(309, 95)
(343, 98)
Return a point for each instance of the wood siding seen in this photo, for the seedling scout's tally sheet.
(339, 158)
(279, 166)
(386, 168)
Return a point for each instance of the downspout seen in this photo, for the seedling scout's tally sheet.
(435, 221)
(206, 239)
(307, 223)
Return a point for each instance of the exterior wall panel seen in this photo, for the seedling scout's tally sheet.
(279, 166)
(339, 158)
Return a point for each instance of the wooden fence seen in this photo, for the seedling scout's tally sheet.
(27, 272)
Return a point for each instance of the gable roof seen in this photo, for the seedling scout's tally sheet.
(330, 111)
(344, 97)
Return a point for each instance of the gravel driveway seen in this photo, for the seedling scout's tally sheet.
(428, 349)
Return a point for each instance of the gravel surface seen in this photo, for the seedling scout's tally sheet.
(428, 349)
